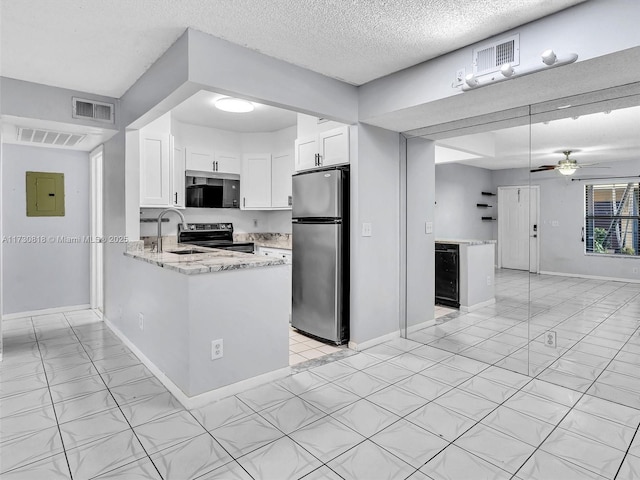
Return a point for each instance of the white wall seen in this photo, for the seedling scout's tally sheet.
(562, 201)
(53, 273)
(458, 189)
(420, 245)
(375, 295)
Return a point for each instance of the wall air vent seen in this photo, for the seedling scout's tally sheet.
(489, 57)
(102, 112)
(49, 137)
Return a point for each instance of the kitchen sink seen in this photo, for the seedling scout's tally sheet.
(186, 252)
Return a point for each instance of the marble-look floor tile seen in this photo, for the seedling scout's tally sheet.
(383, 352)
(69, 373)
(441, 421)
(544, 466)
(365, 417)
(323, 473)
(409, 442)
(76, 388)
(369, 461)
(326, 438)
(630, 468)
(13, 371)
(505, 377)
(29, 448)
(397, 400)
(221, 412)
(265, 396)
(83, 406)
(329, 398)
(502, 450)
(523, 427)
(411, 362)
(142, 469)
(191, 459)
(454, 463)
(150, 409)
(27, 422)
(22, 384)
(615, 394)
(537, 407)
(168, 431)
(425, 387)
(610, 410)
(24, 401)
(116, 363)
(52, 468)
(292, 414)
(93, 427)
(360, 361)
(333, 371)
(229, 471)
(465, 403)
(282, 460)
(114, 378)
(138, 390)
(388, 372)
(587, 453)
(445, 374)
(361, 383)
(599, 429)
(302, 382)
(104, 455)
(487, 389)
(245, 435)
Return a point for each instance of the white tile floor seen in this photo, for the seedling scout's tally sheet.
(74, 403)
(303, 348)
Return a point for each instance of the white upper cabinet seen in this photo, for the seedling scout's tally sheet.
(199, 160)
(322, 150)
(178, 168)
(282, 168)
(155, 166)
(255, 187)
(227, 163)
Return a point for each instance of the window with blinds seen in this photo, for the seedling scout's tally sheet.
(611, 221)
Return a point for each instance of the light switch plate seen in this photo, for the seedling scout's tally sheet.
(428, 227)
(366, 230)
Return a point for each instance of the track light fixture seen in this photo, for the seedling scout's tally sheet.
(549, 60)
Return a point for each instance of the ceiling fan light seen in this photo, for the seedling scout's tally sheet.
(567, 170)
(234, 105)
(549, 57)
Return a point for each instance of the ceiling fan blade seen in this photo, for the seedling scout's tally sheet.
(543, 168)
(589, 166)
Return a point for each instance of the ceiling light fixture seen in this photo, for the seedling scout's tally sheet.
(567, 170)
(549, 60)
(234, 105)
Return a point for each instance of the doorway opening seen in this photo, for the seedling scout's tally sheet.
(96, 296)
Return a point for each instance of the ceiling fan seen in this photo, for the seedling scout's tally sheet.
(568, 166)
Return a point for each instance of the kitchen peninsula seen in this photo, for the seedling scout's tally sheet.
(188, 308)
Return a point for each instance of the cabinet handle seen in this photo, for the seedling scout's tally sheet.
(319, 160)
(290, 200)
(216, 165)
(176, 194)
(244, 201)
(213, 166)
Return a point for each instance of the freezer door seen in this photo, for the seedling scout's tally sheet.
(317, 194)
(317, 280)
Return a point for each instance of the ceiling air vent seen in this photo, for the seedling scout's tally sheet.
(489, 57)
(102, 112)
(48, 137)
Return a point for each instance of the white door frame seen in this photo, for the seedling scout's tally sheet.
(96, 296)
(532, 268)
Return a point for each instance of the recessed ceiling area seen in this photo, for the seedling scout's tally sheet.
(103, 47)
(200, 109)
(605, 136)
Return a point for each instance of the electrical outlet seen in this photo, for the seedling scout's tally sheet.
(141, 321)
(366, 229)
(488, 279)
(217, 350)
(550, 339)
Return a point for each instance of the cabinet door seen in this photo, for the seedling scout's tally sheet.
(178, 168)
(256, 181)
(199, 160)
(334, 146)
(282, 169)
(155, 177)
(227, 163)
(306, 151)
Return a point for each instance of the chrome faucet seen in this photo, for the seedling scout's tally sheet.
(162, 213)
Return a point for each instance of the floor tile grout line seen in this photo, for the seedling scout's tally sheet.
(117, 404)
(626, 454)
(55, 413)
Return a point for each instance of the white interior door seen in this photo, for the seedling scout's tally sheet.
(97, 232)
(518, 228)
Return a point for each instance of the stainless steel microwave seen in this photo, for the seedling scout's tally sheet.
(209, 190)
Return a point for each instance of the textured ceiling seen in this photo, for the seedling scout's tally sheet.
(104, 46)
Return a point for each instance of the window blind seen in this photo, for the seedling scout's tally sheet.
(611, 220)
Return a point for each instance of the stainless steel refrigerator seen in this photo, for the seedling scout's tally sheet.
(320, 280)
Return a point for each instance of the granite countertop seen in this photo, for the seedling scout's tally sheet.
(272, 240)
(212, 260)
(465, 241)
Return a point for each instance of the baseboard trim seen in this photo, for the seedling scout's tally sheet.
(45, 311)
(420, 326)
(202, 399)
(591, 277)
(477, 306)
(373, 342)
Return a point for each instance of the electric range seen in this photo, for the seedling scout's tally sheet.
(213, 235)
